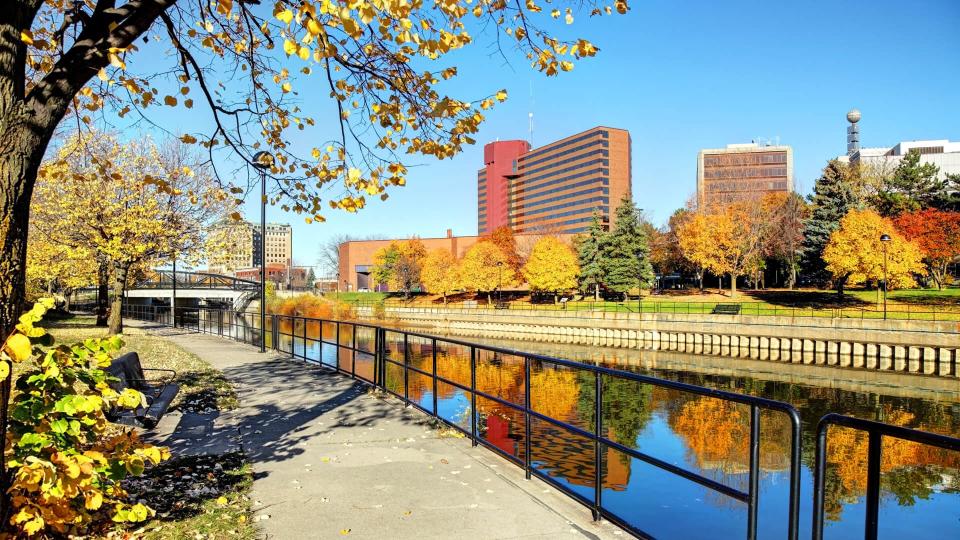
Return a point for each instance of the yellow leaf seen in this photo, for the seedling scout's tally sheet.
(221, 500)
(285, 87)
(93, 500)
(303, 53)
(131, 399)
(26, 36)
(313, 26)
(286, 16)
(18, 347)
(344, 532)
(4, 369)
(569, 18)
(501, 95)
(289, 47)
(170, 100)
(242, 519)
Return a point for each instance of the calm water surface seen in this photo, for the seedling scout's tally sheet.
(921, 486)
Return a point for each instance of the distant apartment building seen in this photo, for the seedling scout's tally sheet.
(942, 153)
(235, 245)
(555, 188)
(742, 172)
(279, 243)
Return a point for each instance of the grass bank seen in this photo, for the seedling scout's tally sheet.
(195, 497)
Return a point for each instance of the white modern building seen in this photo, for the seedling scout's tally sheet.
(943, 153)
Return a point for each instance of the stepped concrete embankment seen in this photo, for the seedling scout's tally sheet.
(921, 347)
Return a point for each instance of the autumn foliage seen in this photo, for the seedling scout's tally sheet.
(937, 234)
(855, 253)
(66, 460)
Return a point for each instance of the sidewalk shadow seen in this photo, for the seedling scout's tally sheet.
(284, 398)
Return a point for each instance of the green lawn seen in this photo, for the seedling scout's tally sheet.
(919, 304)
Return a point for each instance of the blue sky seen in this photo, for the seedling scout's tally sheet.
(681, 76)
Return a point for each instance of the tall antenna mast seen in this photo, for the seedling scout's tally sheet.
(530, 116)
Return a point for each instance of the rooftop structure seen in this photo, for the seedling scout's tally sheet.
(943, 153)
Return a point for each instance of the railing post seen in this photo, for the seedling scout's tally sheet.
(754, 472)
(597, 446)
(434, 351)
(874, 448)
(353, 353)
(526, 413)
(819, 480)
(473, 394)
(406, 370)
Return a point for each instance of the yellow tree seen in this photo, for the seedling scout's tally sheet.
(552, 266)
(439, 274)
(726, 239)
(855, 253)
(101, 195)
(484, 268)
(55, 268)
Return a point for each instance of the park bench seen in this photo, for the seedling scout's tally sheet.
(726, 309)
(128, 373)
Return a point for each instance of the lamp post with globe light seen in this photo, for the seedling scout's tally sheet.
(885, 239)
(263, 161)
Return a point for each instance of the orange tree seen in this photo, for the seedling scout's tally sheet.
(937, 234)
(243, 63)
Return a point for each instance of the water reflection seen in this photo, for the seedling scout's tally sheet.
(921, 485)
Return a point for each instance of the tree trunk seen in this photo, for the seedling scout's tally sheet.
(596, 292)
(733, 286)
(103, 294)
(115, 322)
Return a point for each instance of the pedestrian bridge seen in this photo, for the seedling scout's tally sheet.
(168, 287)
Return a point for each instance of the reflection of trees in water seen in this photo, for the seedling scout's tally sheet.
(716, 433)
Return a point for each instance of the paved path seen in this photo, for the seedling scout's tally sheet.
(333, 460)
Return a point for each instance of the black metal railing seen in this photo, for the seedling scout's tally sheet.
(392, 360)
(876, 431)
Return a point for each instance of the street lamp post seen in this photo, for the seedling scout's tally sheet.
(262, 161)
(639, 280)
(499, 283)
(884, 239)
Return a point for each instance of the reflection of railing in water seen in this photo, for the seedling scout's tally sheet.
(583, 440)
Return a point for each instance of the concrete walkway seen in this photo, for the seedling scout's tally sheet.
(332, 459)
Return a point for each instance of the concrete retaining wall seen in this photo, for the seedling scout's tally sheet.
(906, 346)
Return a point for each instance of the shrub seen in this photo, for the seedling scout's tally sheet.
(311, 306)
(66, 460)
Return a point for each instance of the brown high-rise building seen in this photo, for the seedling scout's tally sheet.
(742, 172)
(554, 188)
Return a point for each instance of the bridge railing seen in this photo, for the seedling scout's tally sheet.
(164, 279)
(417, 368)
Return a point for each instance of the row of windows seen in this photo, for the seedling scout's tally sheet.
(591, 191)
(562, 223)
(603, 153)
(579, 202)
(744, 186)
(526, 164)
(760, 158)
(587, 210)
(749, 172)
(523, 193)
(528, 182)
(536, 154)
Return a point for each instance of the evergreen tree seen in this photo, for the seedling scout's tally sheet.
(627, 254)
(912, 186)
(590, 251)
(833, 196)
